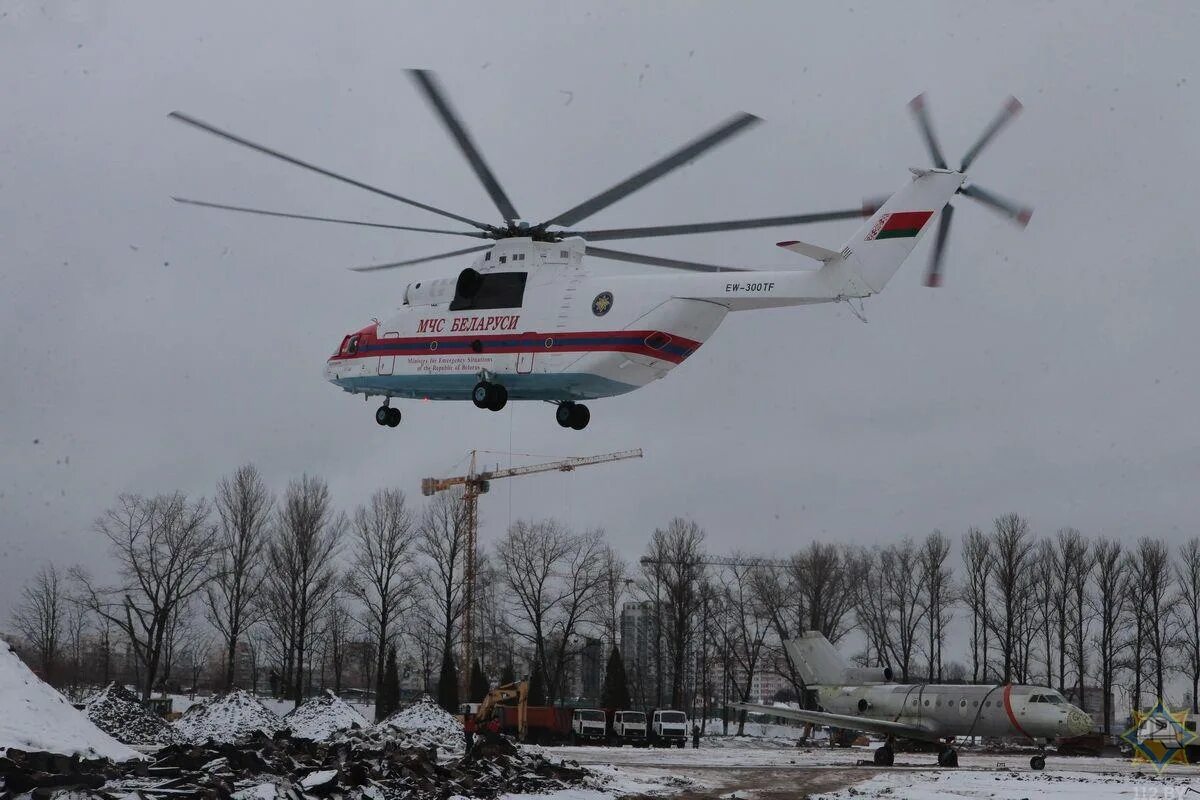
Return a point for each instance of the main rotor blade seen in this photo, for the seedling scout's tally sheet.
(437, 98)
(712, 227)
(933, 278)
(288, 215)
(1011, 108)
(638, 258)
(655, 171)
(917, 106)
(422, 260)
(1007, 208)
(204, 126)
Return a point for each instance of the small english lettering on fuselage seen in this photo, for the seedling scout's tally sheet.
(499, 322)
(749, 287)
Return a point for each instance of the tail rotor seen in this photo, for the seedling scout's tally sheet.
(1009, 209)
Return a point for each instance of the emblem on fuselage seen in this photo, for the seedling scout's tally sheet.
(602, 304)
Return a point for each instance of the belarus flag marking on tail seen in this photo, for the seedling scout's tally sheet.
(899, 225)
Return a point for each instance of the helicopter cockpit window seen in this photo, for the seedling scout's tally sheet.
(496, 290)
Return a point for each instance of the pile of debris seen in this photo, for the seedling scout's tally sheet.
(117, 711)
(425, 723)
(323, 716)
(227, 719)
(355, 766)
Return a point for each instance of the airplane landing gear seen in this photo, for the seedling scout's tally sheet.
(1038, 762)
(885, 756)
(491, 396)
(573, 415)
(948, 757)
(385, 415)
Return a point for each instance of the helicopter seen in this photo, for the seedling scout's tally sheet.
(534, 316)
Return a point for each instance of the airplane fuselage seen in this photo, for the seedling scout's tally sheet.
(951, 710)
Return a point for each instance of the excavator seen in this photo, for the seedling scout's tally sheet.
(504, 695)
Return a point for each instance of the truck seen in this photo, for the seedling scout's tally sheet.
(668, 727)
(588, 724)
(629, 727)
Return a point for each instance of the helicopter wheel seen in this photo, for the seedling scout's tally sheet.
(573, 415)
(499, 397)
(482, 394)
(393, 417)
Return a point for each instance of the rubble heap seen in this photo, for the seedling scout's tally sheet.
(359, 765)
(117, 711)
(227, 719)
(425, 723)
(323, 716)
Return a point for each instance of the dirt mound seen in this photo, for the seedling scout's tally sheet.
(323, 716)
(228, 719)
(425, 722)
(117, 711)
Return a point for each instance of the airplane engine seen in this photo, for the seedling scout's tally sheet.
(869, 675)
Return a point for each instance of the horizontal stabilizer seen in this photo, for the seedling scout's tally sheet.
(811, 250)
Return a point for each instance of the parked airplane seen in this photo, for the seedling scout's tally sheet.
(867, 700)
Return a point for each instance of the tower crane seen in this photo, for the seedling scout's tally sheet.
(476, 483)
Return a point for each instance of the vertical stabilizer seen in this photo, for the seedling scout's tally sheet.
(880, 246)
(816, 660)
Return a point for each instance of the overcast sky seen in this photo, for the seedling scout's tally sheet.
(150, 347)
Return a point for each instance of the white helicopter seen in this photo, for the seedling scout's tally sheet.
(532, 318)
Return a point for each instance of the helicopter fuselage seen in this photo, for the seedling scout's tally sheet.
(546, 328)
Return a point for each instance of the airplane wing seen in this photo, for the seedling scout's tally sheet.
(883, 727)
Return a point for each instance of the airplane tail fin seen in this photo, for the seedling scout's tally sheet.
(880, 246)
(818, 664)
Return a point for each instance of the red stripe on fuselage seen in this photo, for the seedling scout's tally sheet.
(1008, 709)
(675, 349)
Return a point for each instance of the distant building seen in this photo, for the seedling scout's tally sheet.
(640, 651)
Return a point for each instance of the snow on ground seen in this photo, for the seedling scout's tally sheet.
(118, 712)
(323, 716)
(427, 721)
(227, 718)
(1004, 785)
(33, 716)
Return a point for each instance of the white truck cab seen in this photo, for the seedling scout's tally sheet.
(588, 724)
(669, 728)
(629, 727)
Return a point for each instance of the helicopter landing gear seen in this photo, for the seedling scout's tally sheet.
(1038, 762)
(386, 415)
(573, 415)
(491, 396)
(948, 757)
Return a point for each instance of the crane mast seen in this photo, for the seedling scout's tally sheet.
(475, 483)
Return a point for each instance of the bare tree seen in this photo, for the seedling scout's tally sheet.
(1108, 604)
(1153, 570)
(164, 548)
(1187, 578)
(554, 577)
(977, 560)
(1078, 563)
(674, 563)
(1012, 551)
(939, 596)
(244, 505)
(890, 603)
(384, 542)
(39, 618)
(744, 625)
(820, 575)
(302, 570)
(1044, 566)
(335, 635)
(443, 543)
(614, 575)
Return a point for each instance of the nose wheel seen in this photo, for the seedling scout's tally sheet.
(385, 415)
(573, 415)
(1037, 763)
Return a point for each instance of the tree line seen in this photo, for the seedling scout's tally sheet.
(249, 588)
